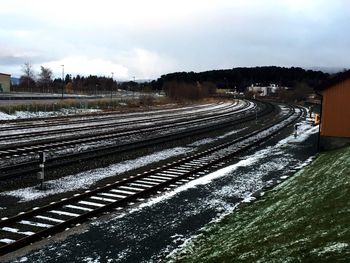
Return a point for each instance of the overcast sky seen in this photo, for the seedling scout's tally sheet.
(148, 38)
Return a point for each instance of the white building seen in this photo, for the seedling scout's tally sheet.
(263, 90)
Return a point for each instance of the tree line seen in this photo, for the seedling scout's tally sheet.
(44, 82)
(242, 77)
(296, 83)
(187, 84)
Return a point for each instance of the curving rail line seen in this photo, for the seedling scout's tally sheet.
(26, 168)
(112, 125)
(9, 125)
(33, 225)
(58, 143)
(74, 132)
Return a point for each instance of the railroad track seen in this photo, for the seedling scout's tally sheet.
(30, 167)
(30, 226)
(112, 126)
(31, 147)
(114, 123)
(97, 116)
(8, 125)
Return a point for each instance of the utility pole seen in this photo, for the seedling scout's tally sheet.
(62, 79)
(112, 86)
(31, 91)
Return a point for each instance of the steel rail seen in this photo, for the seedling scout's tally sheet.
(27, 168)
(149, 183)
(77, 119)
(114, 124)
(26, 147)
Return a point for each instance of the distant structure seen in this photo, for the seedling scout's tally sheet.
(5, 80)
(335, 112)
(264, 90)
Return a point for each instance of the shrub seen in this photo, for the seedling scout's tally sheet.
(188, 91)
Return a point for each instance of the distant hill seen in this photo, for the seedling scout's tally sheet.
(330, 70)
(14, 81)
(243, 77)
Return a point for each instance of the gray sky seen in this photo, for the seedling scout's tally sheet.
(148, 38)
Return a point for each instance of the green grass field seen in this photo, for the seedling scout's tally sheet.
(304, 219)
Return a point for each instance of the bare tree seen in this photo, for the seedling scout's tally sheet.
(45, 78)
(27, 79)
(27, 70)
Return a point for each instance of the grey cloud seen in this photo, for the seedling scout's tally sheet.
(261, 33)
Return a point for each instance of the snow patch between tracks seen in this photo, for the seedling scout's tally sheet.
(245, 188)
(210, 140)
(4, 116)
(207, 178)
(86, 179)
(44, 114)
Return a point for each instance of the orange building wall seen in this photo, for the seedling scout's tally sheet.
(336, 110)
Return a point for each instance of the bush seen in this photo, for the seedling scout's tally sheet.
(188, 91)
(146, 100)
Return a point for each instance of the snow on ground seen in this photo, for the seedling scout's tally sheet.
(305, 129)
(210, 140)
(123, 117)
(23, 259)
(41, 114)
(248, 183)
(200, 181)
(332, 247)
(241, 190)
(216, 192)
(87, 178)
(231, 133)
(4, 116)
(72, 111)
(314, 190)
(180, 215)
(188, 109)
(203, 142)
(7, 240)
